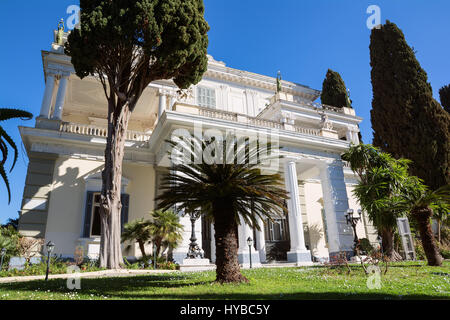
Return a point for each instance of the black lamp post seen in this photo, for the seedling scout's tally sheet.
(353, 221)
(50, 247)
(250, 244)
(3, 253)
(194, 249)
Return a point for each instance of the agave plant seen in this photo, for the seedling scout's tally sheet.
(5, 140)
(226, 192)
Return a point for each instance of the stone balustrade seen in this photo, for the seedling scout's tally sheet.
(242, 118)
(89, 130)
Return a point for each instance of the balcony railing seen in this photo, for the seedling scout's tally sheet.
(242, 118)
(89, 130)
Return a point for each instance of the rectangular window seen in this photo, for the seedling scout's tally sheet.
(206, 97)
(92, 219)
(277, 230)
(96, 223)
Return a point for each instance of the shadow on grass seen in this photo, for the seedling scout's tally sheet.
(146, 288)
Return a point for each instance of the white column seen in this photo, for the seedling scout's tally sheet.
(60, 98)
(261, 241)
(162, 103)
(47, 100)
(172, 101)
(298, 252)
(340, 236)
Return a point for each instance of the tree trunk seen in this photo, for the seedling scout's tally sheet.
(439, 230)
(228, 269)
(387, 236)
(422, 217)
(110, 210)
(142, 248)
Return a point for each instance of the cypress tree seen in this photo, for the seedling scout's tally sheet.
(406, 120)
(334, 91)
(444, 94)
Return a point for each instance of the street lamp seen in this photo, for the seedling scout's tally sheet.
(353, 221)
(50, 247)
(3, 253)
(250, 244)
(194, 251)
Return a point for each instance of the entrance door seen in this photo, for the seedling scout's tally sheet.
(277, 239)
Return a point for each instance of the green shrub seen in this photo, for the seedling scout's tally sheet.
(9, 239)
(420, 253)
(365, 246)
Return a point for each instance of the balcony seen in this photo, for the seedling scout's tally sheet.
(251, 121)
(94, 131)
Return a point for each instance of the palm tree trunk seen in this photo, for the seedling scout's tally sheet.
(228, 269)
(422, 217)
(387, 236)
(142, 248)
(110, 210)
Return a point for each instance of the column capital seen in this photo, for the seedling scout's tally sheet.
(163, 92)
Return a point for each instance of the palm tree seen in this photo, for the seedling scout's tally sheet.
(139, 231)
(5, 139)
(166, 230)
(420, 201)
(227, 192)
(381, 177)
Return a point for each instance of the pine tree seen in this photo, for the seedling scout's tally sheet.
(334, 91)
(127, 44)
(406, 120)
(444, 94)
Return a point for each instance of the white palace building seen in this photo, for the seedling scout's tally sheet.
(66, 147)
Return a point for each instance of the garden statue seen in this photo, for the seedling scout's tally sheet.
(325, 122)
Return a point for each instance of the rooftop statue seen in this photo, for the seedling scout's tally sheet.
(60, 33)
(279, 81)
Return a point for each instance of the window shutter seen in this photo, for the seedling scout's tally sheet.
(125, 199)
(87, 215)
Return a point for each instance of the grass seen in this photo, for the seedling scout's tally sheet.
(412, 280)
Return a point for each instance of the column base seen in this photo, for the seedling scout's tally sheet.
(179, 256)
(300, 256)
(196, 265)
(51, 124)
(244, 259)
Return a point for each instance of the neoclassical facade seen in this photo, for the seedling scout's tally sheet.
(66, 146)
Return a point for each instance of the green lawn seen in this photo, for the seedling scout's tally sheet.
(403, 281)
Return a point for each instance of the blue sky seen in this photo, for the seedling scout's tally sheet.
(302, 38)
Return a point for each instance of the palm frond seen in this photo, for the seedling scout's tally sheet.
(6, 114)
(5, 179)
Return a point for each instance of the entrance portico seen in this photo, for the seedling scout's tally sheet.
(307, 179)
